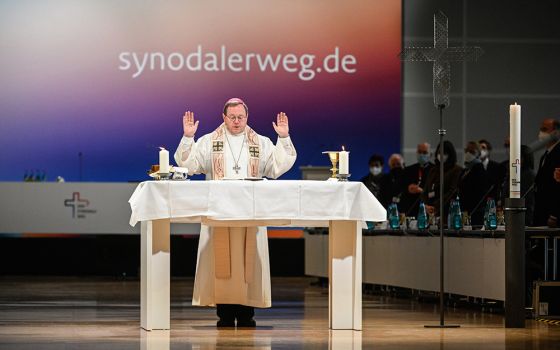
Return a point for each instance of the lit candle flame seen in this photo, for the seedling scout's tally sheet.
(343, 148)
(161, 148)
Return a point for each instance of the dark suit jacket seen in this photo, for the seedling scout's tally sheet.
(451, 177)
(473, 186)
(547, 190)
(373, 183)
(495, 175)
(413, 174)
(391, 187)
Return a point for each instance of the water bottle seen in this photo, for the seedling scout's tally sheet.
(491, 221)
(422, 217)
(394, 216)
(457, 216)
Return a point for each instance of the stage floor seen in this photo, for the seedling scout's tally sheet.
(104, 313)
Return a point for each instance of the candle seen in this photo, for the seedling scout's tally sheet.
(163, 161)
(343, 160)
(515, 151)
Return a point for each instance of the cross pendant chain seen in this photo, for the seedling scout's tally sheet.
(236, 168)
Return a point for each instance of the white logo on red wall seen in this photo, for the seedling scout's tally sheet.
(79, 206)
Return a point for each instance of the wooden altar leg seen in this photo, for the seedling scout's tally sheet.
(154, 275)
(155, 340)
(345, 275)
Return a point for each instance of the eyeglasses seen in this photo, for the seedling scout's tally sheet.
(234, 118)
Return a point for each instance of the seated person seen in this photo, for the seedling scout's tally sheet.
(495, 172)
(451, 175)
(473, 185)
(373, 179)
(414, 180)
(391, 183)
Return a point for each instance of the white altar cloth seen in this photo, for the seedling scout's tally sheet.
(341, 206)
(298, 201)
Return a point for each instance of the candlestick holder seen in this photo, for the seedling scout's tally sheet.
(155, 174)
(343, 177)
(333, 156)
(162, 176)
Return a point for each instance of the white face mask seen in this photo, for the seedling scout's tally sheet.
(483, 154)
(445, 156)
(375, 170)
(543, 135)
(469, 157)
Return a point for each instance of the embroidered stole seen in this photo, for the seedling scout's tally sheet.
(218, 159)
(222, 251)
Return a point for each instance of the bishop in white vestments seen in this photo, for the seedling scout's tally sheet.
(232, 270)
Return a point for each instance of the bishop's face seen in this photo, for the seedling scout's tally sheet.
(235, 119)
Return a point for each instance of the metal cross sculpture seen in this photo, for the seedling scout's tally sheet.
(441, 54)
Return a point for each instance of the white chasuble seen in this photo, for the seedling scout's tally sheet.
(233, 263)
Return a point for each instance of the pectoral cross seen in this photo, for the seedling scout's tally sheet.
(236, 168)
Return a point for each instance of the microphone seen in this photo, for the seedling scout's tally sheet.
(413, 204)
(529, 190)
(456, 188)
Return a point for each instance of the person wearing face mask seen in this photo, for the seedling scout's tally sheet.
(451, 175)
(391, 183)
(414, 179)
(473, 184)
(495, 172)
(547, 189)
(373, 180)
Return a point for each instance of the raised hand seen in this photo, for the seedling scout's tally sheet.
(189, 125)
(281, 126)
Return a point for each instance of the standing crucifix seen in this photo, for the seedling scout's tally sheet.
(441, 55)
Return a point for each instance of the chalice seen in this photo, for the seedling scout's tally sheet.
(333, 156)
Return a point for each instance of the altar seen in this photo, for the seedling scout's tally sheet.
(341, 206)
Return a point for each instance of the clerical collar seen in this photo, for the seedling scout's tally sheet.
(485, 162)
